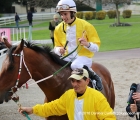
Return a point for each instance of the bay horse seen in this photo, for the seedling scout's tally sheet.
(38, 62)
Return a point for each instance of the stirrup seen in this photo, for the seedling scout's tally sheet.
(93, 82)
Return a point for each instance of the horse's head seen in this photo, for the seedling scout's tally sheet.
(10, 71)
(32, 61)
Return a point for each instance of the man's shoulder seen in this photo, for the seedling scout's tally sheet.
(70, 91)
(60, 25)
(94, 91)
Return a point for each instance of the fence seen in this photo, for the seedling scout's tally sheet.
(36, 16)
(18, 33)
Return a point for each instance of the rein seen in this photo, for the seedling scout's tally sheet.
(58, 69)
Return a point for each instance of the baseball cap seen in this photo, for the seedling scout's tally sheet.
(79, 74)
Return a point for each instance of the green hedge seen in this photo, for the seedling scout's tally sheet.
(127, 13)
(80, 15)
(94, 15)
(0, 15)
(88, 15)
(100, 15)
(111, 14)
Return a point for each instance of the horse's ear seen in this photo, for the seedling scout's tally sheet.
(8, 45)
(20, 46)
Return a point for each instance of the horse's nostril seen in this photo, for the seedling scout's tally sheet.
(1, 102)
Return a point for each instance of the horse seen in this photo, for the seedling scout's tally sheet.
(30, 61)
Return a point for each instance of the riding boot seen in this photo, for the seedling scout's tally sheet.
(94, 76)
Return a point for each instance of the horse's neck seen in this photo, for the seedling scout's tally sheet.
(54, 87)
(43, 66)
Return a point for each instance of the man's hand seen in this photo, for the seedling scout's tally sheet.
(83, 42)
(133, 107)
(136, 96)
(62, 50)
(28, 110)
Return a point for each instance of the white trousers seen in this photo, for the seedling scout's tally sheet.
(80, 61)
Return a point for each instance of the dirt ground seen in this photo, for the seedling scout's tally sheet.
(124, 66)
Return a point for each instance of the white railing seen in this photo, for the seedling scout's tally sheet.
(36, 16)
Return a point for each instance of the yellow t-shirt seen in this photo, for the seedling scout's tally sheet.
(94, 106)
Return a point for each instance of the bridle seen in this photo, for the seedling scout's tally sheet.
(21, 55)
(25, 85)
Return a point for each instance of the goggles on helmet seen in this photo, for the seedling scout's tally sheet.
(63, 7)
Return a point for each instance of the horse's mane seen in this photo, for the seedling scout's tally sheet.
(42, 49)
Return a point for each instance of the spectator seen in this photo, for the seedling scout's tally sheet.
(134, 107)
(17, 18)
(80, 103)
(30, 18)
(53, 23)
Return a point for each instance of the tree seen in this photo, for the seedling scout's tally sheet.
(117, 3)
(43, 3)
(5, 4)
(53, 3)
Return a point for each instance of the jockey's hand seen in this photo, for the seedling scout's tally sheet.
(62, 50)
(133, 107)
(83, 42)
(28, 110)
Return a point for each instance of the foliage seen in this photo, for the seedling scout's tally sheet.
(0, 15)
(79, 15)
(111, 14)
(4, 4)
(88, 15)
(94, 14)
(117, 3)
(44, 3)
(81, 6)
(100, 15)
(126, 13)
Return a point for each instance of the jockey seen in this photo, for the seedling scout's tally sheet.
(74, 31)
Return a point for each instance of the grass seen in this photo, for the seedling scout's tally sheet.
(112, 38)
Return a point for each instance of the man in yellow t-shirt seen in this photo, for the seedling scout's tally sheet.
(80, 103)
